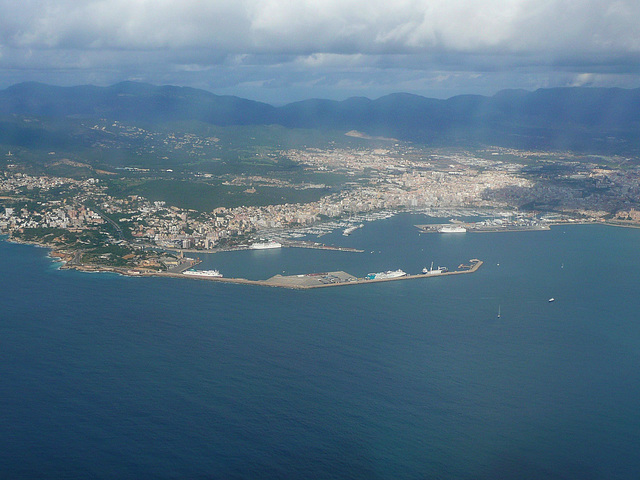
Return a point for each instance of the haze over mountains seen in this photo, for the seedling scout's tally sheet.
(606, 120)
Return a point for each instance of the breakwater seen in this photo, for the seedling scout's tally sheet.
(324, 279)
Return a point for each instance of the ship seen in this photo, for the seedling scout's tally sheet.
(350, 230)
(385, 275)
(437, 271)
(266, 245)
(452, 229)
(203, 273)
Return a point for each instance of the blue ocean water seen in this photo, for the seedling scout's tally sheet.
(104, 376)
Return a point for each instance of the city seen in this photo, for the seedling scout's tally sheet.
(78, 215)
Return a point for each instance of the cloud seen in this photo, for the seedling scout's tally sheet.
(337, 39)
(583, 79)
(329, 26)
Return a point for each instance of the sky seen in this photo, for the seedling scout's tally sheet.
(280, 51)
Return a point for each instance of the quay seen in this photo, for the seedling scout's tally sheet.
(321, 280)
(185, 265)
(283, 242)
(318, 246)
(476, 228)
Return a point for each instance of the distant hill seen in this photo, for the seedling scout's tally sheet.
(130, 101)
(601, 119)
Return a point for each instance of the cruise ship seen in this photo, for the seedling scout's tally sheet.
(266, 245)
(452, 229)
(386, 275)
(203, 273)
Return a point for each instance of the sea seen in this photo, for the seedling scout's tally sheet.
(110, 377)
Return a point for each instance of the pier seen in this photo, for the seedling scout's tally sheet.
(286, 243)
(318, 246)
(322, 280)
(480, 228)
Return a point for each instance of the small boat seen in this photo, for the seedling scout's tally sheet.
(498, 311)
(552, 300)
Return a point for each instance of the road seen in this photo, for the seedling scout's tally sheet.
(119, 232)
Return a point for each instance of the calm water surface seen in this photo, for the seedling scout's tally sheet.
(111, 377)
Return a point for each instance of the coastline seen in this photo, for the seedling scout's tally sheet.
(67, 260)
(295, 282)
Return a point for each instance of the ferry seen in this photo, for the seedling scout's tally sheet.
(385, 275)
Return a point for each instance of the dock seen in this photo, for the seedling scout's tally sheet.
(286, 243)
(324, 279)
(478, 228)
(317, 246)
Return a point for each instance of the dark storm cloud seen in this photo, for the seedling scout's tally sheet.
(297, 44)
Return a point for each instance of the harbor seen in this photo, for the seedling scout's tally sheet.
(326, 279)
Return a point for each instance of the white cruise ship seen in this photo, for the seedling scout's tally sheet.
(452, 229)
(203, 273)
(265, 245)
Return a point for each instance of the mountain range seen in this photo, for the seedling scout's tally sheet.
(598, 119)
